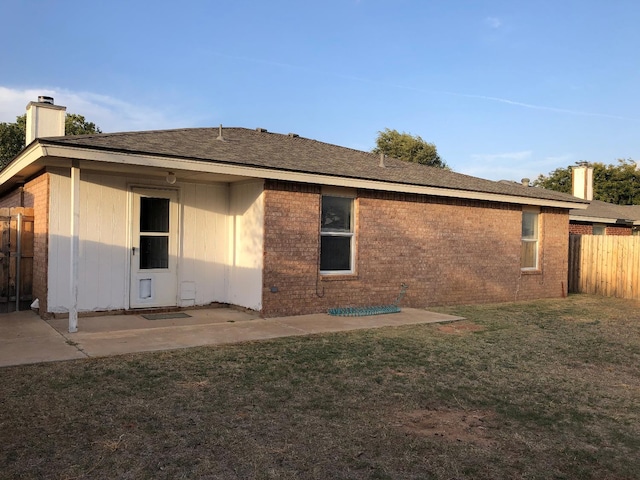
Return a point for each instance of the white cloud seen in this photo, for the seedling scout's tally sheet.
(492, 157)
(542, 107)
(560, 160)
(108, 113)
(512, 165)
(493, 22)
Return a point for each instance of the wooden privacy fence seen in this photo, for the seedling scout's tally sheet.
(16, 258)
(605, 265)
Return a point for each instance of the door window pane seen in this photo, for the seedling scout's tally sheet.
(154, 252)
(154, 214)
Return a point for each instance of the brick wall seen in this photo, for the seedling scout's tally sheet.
(12, 199)
(618, 231)
(551, 281)
(587, 229)
(35, 194)
(580, 229)
(447, 251)
(291, 249)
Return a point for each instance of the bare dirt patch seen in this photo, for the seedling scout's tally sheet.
(450, 425)
(460, 328)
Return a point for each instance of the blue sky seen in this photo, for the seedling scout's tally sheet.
(505, 89)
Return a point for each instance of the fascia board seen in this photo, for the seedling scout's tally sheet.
(26, 158)
(582, 218)
(208, 166)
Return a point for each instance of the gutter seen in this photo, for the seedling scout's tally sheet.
(207, 166)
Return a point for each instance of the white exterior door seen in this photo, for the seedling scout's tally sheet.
(154, 248)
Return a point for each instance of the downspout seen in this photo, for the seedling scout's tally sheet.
(75, 244)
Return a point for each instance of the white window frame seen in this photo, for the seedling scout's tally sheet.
(535, 240)
(350, 234)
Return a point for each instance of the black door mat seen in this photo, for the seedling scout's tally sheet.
(165, 316)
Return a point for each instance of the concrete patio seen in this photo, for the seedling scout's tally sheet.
(26, 338)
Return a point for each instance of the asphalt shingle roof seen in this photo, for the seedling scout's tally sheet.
(598, 209)
(254, 148)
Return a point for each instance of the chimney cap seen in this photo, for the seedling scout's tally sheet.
(45, 99)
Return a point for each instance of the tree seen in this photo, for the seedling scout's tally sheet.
(618, 184)
(12, 135)
(409, 148)
(75, 124)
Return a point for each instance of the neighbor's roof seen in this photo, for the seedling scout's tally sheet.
(602, 212)
(291, 153)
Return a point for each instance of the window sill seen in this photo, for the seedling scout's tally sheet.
(532, 271)
(337, 277)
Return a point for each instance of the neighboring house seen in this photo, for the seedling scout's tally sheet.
(275, 223)
(599, 218)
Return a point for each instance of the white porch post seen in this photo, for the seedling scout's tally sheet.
(75, 246)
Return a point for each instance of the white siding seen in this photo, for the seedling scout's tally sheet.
(103, 266)
(220, 244)
(246, 218)
(103, 243)
(59, 243)
(204, 244)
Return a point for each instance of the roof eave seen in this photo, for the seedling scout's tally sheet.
(22, 167)
(608, 220)
(40, 149)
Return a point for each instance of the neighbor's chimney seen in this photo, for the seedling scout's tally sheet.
(582, 181)
(44, 119)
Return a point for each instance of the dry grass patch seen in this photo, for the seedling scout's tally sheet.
(451, 425)
(534, 390)
(460, 328)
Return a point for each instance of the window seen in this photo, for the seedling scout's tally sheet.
(598, 229)
(154, 233)
(336, 235)
(529, 253)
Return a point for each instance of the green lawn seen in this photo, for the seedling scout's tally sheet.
(536, 390)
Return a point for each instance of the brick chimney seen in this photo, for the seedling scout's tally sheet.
(44, 119)
(582, 181)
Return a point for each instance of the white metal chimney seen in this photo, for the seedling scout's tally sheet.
(44, 119)
(582, 182)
